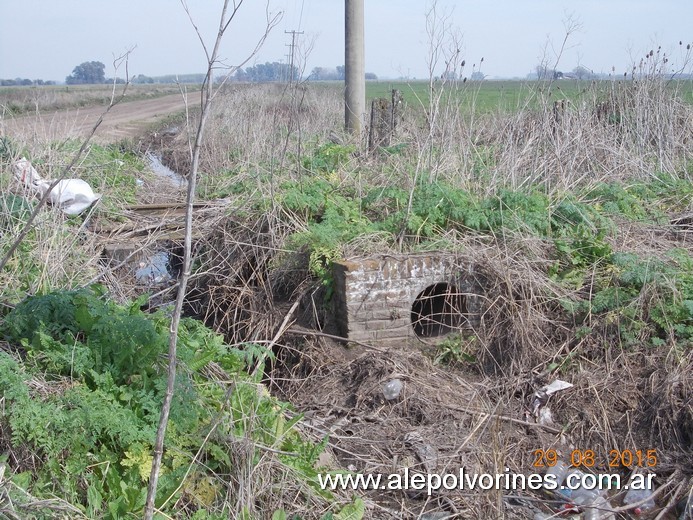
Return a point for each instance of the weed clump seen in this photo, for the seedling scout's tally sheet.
(82, 380)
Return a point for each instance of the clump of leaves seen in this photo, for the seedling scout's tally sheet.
(647, 200)
(456, 349)
(102, 367)
(75, 332)
(333, 218)
(14, 211)
(644, 298)
(328, 158)
(335, 215)
(8, 149)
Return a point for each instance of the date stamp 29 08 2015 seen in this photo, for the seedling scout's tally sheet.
(592, 459)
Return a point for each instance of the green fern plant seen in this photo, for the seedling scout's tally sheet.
(97, 428)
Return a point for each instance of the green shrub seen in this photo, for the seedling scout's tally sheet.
(328, 158)
(102, 368)
(75, 332)
(649, 299)
(14, 211)
(647, 200)
(8, 149)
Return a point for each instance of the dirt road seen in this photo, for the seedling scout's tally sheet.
(126, 119)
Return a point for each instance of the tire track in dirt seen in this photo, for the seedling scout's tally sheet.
(126, 119)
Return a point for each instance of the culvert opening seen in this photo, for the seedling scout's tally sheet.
(438, 310)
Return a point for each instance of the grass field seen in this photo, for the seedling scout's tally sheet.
(482, 96)
(506, 96)
(21, 100)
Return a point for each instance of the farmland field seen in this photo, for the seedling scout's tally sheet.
(484, 96)
(15, 101)
(509, 96)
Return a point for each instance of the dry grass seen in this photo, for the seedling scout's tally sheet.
(44, 99)
(472, 416)
(59, 253)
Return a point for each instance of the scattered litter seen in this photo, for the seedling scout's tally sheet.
(582, 496)
(392, 389)
(638, 491)
(593, 502)
(436, 516)
(542, 395)
(73, 196)
(543, 516)
(427, 454)
(558, 474)
(556, 386)
(545, 416)
(155, 270)
(599, 509)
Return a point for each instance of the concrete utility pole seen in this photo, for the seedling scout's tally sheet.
(355, 70)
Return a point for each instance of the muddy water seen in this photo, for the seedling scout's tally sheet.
(161, 170)
(157, 267)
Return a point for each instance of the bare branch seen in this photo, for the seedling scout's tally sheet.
(197, 30)
(271, 21)
(206, 96)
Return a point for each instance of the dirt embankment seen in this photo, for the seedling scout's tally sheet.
(125, 119)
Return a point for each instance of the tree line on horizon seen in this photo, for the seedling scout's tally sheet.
(93, 72)
(24, 82)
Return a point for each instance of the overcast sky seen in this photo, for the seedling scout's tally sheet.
(46, 39)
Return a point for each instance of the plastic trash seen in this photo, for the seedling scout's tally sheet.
(637, 495)
(591, 501)
(558, 474)
(392, 389)
(574, 481)
(600, 509)
(73, 196)
(542, 395)
(545, 416)
(436, 516)
(155, 270)
(584, 497)
(556, 386)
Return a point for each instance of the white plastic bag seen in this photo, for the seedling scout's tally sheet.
(71, 195)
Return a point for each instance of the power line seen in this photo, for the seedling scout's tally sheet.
(300, 18)
(292, 52)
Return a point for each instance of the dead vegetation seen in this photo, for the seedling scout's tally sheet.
(251, 275)
(472, 415)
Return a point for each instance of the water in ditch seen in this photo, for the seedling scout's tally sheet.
(161, 170)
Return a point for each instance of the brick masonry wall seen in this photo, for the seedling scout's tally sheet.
(374, 296)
